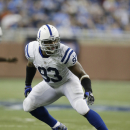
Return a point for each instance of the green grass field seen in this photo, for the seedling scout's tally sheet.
(108, 93)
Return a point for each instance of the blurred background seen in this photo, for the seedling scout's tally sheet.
(98, 30)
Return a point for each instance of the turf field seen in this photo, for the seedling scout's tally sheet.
(107, 93)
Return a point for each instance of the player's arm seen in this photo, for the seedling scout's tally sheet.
(3, 59)
(30, 68)
(8, 59)
(78, 70)
(30, 73)
(12, 60)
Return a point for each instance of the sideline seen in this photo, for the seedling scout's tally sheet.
(18, 106)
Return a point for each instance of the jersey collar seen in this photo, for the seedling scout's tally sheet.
(40, 51)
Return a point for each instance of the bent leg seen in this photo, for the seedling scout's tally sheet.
(73, 91)
(42, 94)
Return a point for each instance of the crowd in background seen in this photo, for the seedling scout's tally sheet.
(105, 15)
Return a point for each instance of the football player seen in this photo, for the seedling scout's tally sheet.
(63, 76)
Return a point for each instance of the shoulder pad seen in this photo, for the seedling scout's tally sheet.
(29, 51)
(69, 56)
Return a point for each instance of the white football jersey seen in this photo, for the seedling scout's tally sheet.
(54, 69)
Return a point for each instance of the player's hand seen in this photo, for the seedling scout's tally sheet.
(28, 89)
(12, 60)
(90, 97)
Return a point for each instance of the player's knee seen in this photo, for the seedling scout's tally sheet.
(27, 105)
(81, 106)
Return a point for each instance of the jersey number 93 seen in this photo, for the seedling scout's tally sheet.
(44, 71)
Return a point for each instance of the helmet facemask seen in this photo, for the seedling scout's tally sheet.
(50, 46)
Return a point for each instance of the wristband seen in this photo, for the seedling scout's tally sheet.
(84, 76)
(87, 93)
(86, 83)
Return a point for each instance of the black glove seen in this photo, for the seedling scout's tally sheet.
(28, 89)
(90, 97)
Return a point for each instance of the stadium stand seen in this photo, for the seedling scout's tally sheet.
(104, 15)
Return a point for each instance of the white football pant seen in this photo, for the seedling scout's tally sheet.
(42, 94)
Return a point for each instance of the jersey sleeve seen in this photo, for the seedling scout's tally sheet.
(29, 51)
(69, 57)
